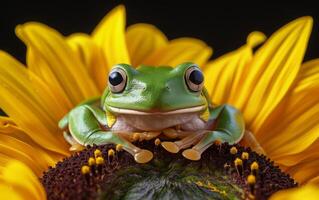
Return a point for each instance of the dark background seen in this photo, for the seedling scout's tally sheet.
(222, 24)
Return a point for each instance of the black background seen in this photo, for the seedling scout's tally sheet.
(223, 26)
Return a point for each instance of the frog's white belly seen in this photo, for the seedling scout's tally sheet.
(187, 121)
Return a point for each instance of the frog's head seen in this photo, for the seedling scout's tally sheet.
(160, 90)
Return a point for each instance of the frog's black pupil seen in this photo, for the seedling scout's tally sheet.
(196, 77)
(115, 78)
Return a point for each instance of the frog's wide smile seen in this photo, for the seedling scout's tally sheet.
(172, 112)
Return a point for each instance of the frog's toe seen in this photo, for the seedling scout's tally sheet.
(192, 154)
(171, 147)
(76, 147)
(143, 156)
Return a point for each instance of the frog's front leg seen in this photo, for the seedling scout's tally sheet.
(86, 127)
(229, 127)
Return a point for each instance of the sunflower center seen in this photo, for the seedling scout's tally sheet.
(224, 172)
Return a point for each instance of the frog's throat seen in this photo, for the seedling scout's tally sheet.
(173, 112)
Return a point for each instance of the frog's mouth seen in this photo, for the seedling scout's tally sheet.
(154, 112)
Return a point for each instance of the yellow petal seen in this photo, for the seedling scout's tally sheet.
(294, 124)
(272, 71)
(22, 181)
(306, 85)
(222, 72)
(91, 56)
(7, 125)
(7, 192)
(21, 152)
(314, 180)
(225, 75)
(179, 51)
(142, 40)
(28, 101)
(310, 153)
(9, 128)
(296, 136)
(309, 192)
(308, 76)
(16, 144)
(57, 61)
(39, 66)
(110, 36)
(305, 170)
(33, 156)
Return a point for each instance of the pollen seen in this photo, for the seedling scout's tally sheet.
(254, 166)
(245, 156)
(233, 150)
(111, 153)
(99, 161)
(85, 169)
(74, 177)
(91, 161)
(119, 147)
(239, 166)
(238, 162)
(97, 153)
(251, 179)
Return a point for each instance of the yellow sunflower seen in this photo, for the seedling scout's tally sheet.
(277, 94)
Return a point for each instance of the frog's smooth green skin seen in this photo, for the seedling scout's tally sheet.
(150, 101)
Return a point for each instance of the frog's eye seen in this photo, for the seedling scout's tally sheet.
(194, 79)
(117, 80)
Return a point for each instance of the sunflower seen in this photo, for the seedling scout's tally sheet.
(275, 91)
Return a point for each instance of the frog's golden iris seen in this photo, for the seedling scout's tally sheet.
(272, 88)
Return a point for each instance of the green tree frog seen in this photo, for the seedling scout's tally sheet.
(148, 102)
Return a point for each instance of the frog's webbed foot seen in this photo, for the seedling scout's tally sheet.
(143, 156)
(172, 133)
(229, 128)
(197, 150)
(140, 155)
(175, 147)
(104, 137)
(149, 135)
(75, 146)
(139, 136)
